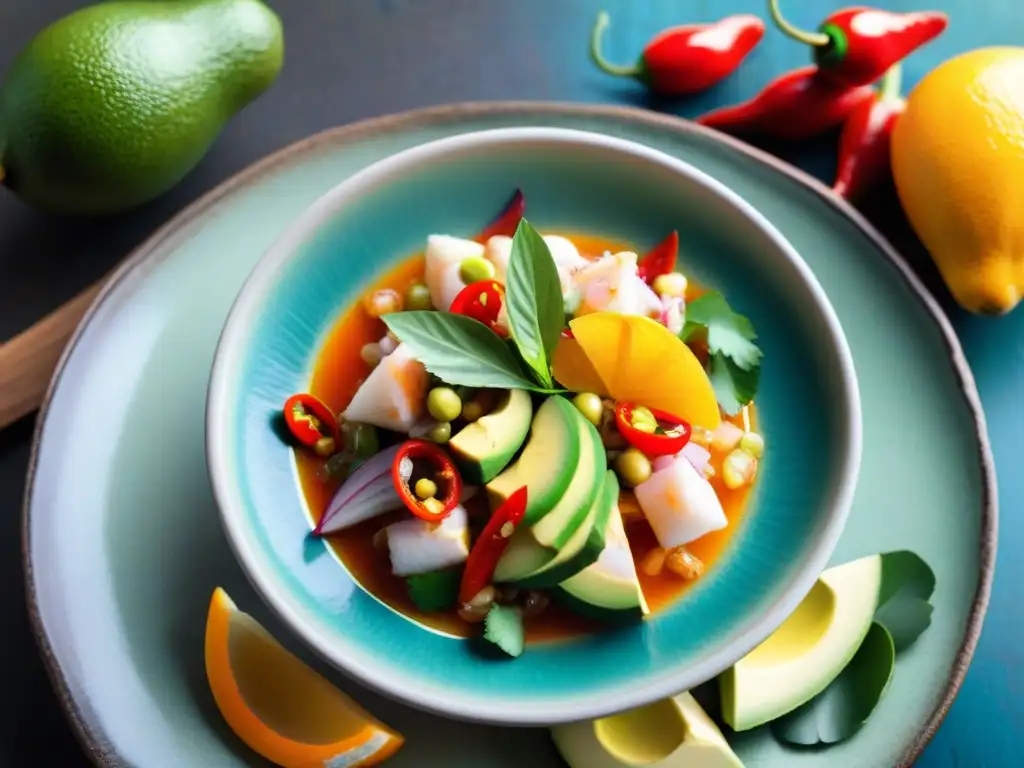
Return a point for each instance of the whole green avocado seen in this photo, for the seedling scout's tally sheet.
(112, 105)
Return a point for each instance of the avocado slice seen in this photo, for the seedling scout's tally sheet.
(804, 655)
(586, 544)
(671, 733)
(485, 447)
(609, 588)
(558, 526)
(547, 463)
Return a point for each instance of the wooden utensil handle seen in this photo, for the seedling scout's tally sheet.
(27, 361)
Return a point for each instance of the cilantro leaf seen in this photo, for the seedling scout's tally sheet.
(728, 333)
(533, 301)
(504, 627)
(734, 387)
(435, 591)
(460, 350)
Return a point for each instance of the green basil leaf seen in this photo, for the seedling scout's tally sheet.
(533, 300)
(460, 350)
(840, 710)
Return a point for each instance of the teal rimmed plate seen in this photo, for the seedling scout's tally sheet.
(119, 589)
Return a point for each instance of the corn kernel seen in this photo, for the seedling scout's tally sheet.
(653, 562)
(726, 437)
(383, 302)
(753, 444)
(672, 285)
(738, 469)
(684, 563)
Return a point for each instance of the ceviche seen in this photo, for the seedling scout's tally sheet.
(527, 436)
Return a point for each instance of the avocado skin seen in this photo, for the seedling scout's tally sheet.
(114, 104)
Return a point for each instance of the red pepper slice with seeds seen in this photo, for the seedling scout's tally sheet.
(310, 420)
(443, 470)
(483, 557)
(506, 222)
(482, 301)
(661, 260)
(667, 435)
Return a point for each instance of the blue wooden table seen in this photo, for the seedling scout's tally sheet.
(354, 59)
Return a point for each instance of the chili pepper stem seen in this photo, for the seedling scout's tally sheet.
(892, 82)
(817, 39)
(596, 35)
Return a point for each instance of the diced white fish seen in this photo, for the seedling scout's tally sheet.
(417, 546)
(672, 317)
(612, 284)
(443, 258)
(680, 504)
(498, 251)
(566, 256)
(394, 395)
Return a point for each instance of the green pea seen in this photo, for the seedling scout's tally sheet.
(425, 488)
(444, 404)
(363, 440)
(590, 406)
(440, 432)
(633, 467)
(475, 269)
(417, 296)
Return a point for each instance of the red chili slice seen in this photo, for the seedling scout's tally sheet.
(482, 301)
(444, 471)
(309, 420)
(661, 260)
(487, 550)
(506, 222)
(674, 432)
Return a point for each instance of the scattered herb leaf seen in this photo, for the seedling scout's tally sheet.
(734, 387)
(533, 301)
(460, 350)
(435, 591)
(504, 627)
(840, 710)
(903, 608)
(729, 334)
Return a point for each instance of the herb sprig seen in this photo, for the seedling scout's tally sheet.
(734, 361)
(463, 351)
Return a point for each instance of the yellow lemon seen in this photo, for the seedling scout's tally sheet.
(958, 163)
(280, 707)
(642, 361)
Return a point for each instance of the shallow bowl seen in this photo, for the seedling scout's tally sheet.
(574, 181)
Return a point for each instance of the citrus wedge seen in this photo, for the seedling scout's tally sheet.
(280, 707)
(641, 361)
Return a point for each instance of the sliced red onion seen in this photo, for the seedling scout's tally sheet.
(697, 455)
(662, 462)
(369, 491)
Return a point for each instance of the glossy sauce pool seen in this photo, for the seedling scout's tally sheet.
(337, 374)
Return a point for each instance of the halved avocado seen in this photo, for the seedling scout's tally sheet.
(804, 655)
(485, 447)
(547, 463)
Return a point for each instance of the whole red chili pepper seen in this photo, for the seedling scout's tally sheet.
(660, 260)
(798, 105)
(481, 301)
(484, 556)
(506, 222)
(858, 45)
(685, 59)
(864, 142)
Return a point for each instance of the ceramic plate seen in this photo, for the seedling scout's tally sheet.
(124, 546)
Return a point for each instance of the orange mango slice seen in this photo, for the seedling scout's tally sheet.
(573, 369)
(280, 707)
(641, 361)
